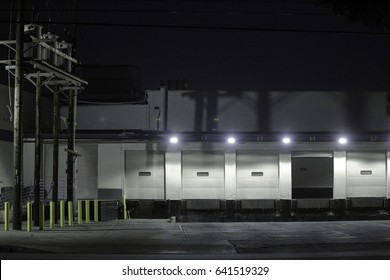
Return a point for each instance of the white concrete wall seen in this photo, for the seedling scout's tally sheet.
(102, 166)
(28, 164)
(126, 116)
(340, 175)
(388, 174)
(6, 164)
(173, 175)
(299, 111)
(230, 175)
(285, 179)
(111, 163)
(86, 175)
(110, 166)
(48, 170)
(244, 111)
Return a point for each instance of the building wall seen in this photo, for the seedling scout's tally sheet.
(28, 110)
(85, 179)
(273, 111)
(124, 116)
(103, 170)
(234, 179)
(244, 111)
(86, 174)
(6, 166)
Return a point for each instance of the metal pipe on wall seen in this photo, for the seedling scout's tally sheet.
(165, 92)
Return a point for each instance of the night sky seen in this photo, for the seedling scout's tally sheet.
(229, 45)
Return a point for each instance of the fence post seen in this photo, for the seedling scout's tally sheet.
(29, 216)
(87, 212)
(52, 213)
(62, 213)
(80, 212)
(124, 208)
(6, 216)
(70, 213)
(41, 215)
(96, 210)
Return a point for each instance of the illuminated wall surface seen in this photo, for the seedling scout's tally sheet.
(218, 171)
(212, 170)
(246, 111)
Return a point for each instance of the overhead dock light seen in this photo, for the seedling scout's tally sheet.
(174, 140)
(286, 140)
(343, 140)
(231, 140)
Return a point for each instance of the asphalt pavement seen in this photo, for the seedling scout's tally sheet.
(162, 239)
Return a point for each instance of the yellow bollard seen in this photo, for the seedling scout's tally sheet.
(29, 216)
(70, 213)
(52, 214)
(96, 210)
(80, 212)
(62, 213)
(41, 215)
(87, 212)
(6, 216)
(124, 208)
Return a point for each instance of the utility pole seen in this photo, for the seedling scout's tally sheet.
(38, 151)
(71, 115)
(56, 140)
(18, 121)
(71, 141)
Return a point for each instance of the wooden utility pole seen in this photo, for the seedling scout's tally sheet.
(71, 115)
(71, 141)
(18, 121)
(56, 140)
(38, 151)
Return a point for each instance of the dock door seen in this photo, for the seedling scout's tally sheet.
(145, 175)
(312, 175)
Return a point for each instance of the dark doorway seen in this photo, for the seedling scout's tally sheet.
(312, 175)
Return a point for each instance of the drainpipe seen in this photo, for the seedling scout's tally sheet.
(164, 91)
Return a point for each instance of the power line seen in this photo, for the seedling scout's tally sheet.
(174, 12)
(206, 1)
(178, 12)
(219, 28)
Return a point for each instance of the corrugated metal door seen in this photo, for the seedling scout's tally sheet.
(257, 175)
(144, 175)
(366, 174)
(203, 174)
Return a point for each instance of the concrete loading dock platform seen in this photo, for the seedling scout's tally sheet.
(160, 239)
